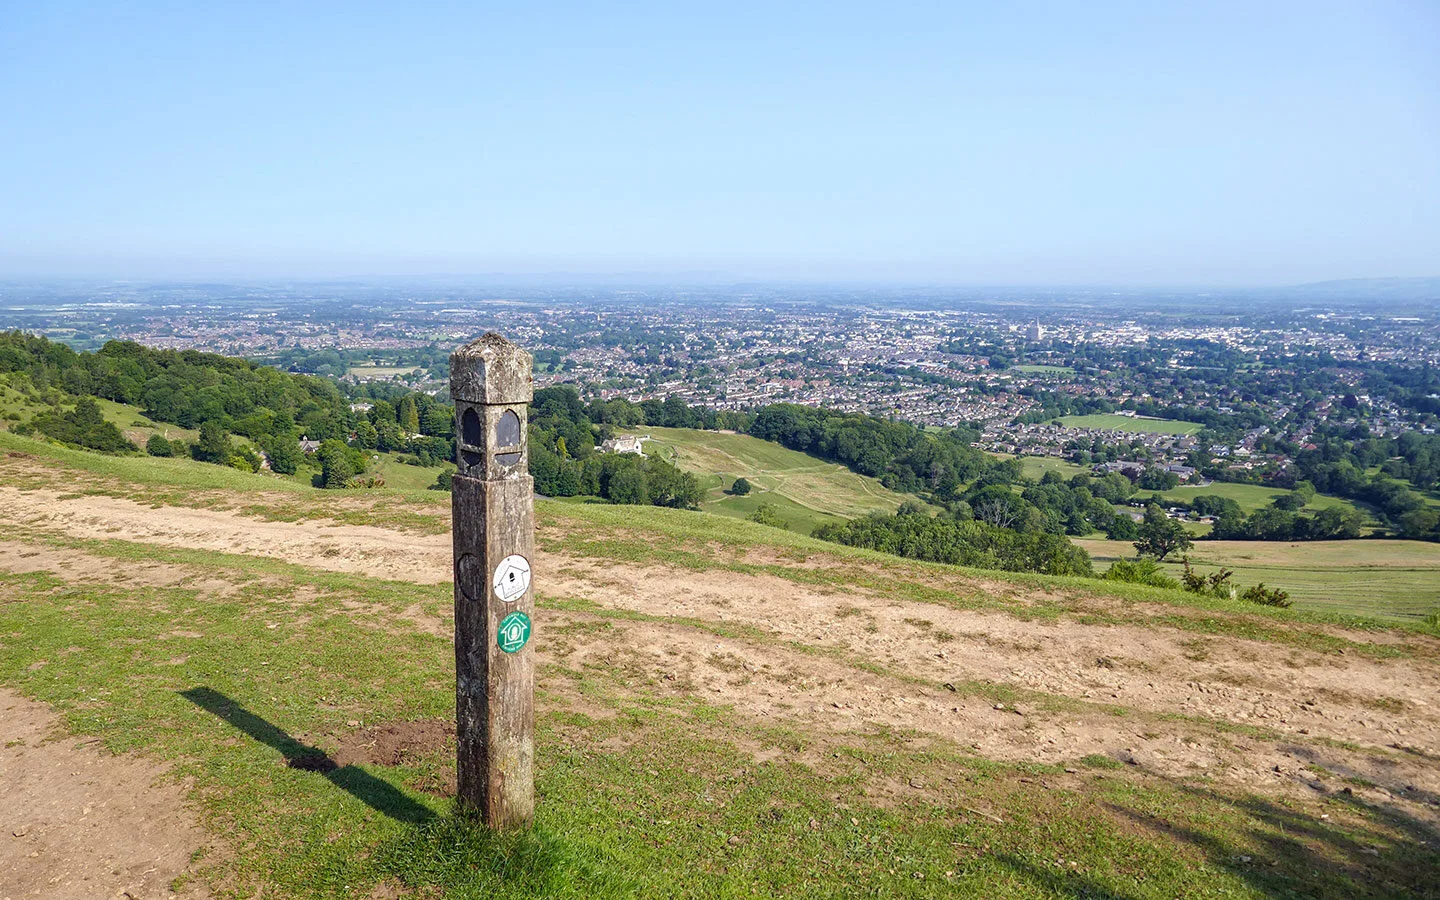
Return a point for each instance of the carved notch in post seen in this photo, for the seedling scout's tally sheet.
(494, 529)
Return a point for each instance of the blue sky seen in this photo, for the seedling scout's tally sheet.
(990, 143)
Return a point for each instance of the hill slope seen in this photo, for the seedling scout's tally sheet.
(723, 708)
(803, 490)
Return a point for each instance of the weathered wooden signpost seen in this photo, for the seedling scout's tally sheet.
(494, 528)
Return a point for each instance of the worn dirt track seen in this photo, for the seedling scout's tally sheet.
(1148, 695)
(76, 821)
(357, 549)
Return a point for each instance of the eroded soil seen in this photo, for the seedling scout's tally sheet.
(77, 821)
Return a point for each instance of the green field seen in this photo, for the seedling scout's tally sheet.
(1036, 466)
(1384, 579)
(1044, 370)
(381, 371)
(803, 490)
(1250, 496)
(1132, 423)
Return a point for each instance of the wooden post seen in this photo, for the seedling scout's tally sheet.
(492, 501)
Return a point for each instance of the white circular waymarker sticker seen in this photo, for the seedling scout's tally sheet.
(512, 578)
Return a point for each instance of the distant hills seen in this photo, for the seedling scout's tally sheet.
(1426, 288)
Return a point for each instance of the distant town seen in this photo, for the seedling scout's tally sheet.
(1099, 380)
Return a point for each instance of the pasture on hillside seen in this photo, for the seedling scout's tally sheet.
(803, 490)
(1383, 579)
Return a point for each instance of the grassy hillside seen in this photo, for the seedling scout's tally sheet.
(1385, 579)
(723, 709)
(131, 420)
(804, 491)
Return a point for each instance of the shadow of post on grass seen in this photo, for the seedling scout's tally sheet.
(376, 793)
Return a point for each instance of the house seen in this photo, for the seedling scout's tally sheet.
(627, 443)
(308, 446)
(1124, 467)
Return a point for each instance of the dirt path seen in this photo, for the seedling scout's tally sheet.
(1160, 670)
(1385, 707)
(77, 822)
(358, 549)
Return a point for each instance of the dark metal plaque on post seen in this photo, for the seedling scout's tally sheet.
(494, 529)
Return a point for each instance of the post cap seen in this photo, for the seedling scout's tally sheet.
(491, 370)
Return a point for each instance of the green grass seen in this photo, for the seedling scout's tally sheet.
(1132, 423)
(380, 371)
(1380, 579)
(1044, 370)
(804, 491)
(184, 482)
(401, 476)
(640, 792)
(131, 420)
(1250, 497)
(1036, 466)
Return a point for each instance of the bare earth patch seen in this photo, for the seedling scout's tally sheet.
(76, 821)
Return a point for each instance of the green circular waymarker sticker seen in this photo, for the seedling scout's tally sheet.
(514, 632)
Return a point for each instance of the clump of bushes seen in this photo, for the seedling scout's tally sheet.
(1139, 571)
(1266, 596)
(765, 515)
(1216, 584)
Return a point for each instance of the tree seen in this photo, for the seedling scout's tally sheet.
(159, 445)
(336, 470)
(1161, 535)
(740, 488)
(84, 426)
(627, 485)
(365, 435)
(765, 515)
(213, 446)
(283, 451)
(408, 416)
(1289, 502)
(912, 507)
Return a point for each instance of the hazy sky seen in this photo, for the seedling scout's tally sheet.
(1142, 143)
